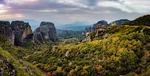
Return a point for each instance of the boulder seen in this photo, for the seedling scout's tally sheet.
(54, 47)
(106, 35)
(34, 62)
(1, 71)
(67, 53)
(8, 66)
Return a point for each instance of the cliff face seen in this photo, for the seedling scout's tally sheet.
(7, 31)
(46, 31)
(22, 32)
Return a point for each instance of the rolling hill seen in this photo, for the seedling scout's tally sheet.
(143, 20)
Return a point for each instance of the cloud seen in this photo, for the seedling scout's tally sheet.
(10, 16)
(2, 11)
(73, 10)
(46, 10)
(140, 6)
(18, 1)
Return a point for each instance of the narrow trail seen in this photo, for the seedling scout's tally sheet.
(135, 26)
(146, 55)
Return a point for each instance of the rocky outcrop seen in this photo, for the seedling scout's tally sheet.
(8, 66)
(106, 35)
(97, 30)
(99, 23)
(118, 22)
(64, 34)
(7, 31)
(83, 33)
(46, 31)
(88, 38)
(22, 32)
(54, 47)
(67, 53)
(101, 28)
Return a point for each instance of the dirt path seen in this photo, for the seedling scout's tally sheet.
(146, 55)
(135, 26)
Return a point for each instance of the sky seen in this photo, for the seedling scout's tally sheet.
(68, 11)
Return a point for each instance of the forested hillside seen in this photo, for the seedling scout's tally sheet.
(108, 51)
(124, 52)
(143, 20)
(11, 63)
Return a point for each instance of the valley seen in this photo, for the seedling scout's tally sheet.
(120, 48)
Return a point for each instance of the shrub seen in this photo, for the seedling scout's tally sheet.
(148, 47)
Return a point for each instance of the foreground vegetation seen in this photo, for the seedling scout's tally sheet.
(11, 63)
(124, 52)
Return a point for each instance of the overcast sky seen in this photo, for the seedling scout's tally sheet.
(68, 11)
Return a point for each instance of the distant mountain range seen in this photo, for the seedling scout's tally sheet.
(78, 23)
(76, 26)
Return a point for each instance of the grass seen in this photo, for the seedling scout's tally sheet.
(17, 63)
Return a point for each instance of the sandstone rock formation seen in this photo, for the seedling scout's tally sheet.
(22, 32)
(97, 28)
(99, 23)
(46, 31)
(100, 28)
(7, 31)
(88, 38)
